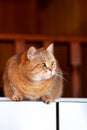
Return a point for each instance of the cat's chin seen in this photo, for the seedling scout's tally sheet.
(43, 77)
(39, 79)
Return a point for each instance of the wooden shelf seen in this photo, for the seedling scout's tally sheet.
(43, 38)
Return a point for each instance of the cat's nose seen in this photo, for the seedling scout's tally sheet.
(50, 69)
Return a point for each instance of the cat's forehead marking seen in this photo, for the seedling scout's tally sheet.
(44, 54)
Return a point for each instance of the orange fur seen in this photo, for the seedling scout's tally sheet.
(24, 57)
(33, 75)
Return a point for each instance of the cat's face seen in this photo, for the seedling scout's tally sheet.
(42, 63)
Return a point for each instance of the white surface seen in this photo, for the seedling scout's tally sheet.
(72, 100)
(75, 100)
(27, 116)
(73, 116)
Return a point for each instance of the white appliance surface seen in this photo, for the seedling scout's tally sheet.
(27, 115)
(33, 115)
(73, 115)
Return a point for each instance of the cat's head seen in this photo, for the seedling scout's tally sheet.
(41, 63)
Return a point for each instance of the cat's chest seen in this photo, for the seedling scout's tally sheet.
(35, 89)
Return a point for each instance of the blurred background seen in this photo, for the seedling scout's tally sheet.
(39, 22)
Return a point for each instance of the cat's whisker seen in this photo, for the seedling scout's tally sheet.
(63, 73)
(61, 76)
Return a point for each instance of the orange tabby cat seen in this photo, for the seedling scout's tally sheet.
(32, 75)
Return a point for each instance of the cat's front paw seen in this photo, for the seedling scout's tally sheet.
(46, 99)
(17, 97)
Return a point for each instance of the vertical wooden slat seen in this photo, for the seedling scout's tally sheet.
(75, 53)
(76, 83)
(19, 46)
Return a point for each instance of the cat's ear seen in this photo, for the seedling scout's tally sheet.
(50, 48)
(31, 52)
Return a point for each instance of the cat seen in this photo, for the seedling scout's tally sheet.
(33, 74)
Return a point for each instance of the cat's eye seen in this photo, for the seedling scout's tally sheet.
(52, 63)
(44, 64)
